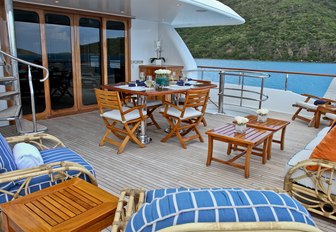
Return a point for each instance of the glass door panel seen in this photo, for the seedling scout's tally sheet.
(28, 43)
(58, 41)
(115, 35)
(90, 56)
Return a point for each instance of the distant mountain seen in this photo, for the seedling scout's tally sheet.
(279, 30)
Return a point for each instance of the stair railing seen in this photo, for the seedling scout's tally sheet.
(30, 81)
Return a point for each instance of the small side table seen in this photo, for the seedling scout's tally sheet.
(73, 205)
(250, 140)
(271, 124)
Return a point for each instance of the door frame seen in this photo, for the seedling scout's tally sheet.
(74, 17)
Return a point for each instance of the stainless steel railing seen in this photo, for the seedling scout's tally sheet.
(286, 74)
(30, 81)
(233, 91)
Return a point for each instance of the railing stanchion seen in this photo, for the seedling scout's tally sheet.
(32, 98)
(241, 78)
(261, 92)
(286, 82)
(221, 92)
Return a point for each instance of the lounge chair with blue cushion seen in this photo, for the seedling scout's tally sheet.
(60, 164)
(210, 209)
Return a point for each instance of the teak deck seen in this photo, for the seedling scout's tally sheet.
(167, 165)
(74, 205)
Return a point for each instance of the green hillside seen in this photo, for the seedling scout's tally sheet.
(279, 30)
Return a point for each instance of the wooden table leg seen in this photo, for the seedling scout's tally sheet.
(265, 150)
(269, 146)
(282, 140)
(317, 118)
(247, 161)
(210, 150)
(229, 149)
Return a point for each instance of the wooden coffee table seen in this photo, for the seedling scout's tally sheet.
(271, 124)
(250, 140)
(73, 205)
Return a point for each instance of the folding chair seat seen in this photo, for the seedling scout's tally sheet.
(114, 114)
(185, 119)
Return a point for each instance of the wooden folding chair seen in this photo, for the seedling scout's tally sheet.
(309, 106)
(114, 114)
(186, 119)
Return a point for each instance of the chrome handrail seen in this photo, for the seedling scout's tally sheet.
(29, 64)
(30, 81)
(286, 73)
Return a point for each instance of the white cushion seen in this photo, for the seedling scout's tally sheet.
(306, 105)
(304, 155)
(312, 144)
(331, 116)
(323, 132)
(115, 114)
(26, 156)
(189, 112)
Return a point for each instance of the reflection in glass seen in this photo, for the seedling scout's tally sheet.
(89, 35)
(58, 40)
(115, 35)
(28, 42)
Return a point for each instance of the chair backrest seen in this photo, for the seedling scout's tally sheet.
(108, 100)
(197, 98)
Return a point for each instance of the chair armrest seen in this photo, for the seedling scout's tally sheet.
(42, 140)
(319, 194)
(56, 171)
(125, 209)
(323, 166)
(310, 96)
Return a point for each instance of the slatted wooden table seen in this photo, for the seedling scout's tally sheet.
(73, 205)
(271, 124)
(251, 139)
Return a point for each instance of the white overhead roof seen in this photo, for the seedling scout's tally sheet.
(178, 13)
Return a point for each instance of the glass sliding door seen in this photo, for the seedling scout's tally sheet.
(90, 57)
(115, 36)
(28, 42)
(58, 42)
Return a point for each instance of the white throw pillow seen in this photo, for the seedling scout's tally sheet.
(26, 156)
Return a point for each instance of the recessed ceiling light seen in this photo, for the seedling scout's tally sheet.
(178, 4)
(122, 11)
(57, 1)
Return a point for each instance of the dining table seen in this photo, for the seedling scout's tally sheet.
(143, 93)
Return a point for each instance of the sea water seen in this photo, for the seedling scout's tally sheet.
(297, 83)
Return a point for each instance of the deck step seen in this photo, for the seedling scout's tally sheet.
(8, 94)
(26, 127)
(7, 79)
(10, 113)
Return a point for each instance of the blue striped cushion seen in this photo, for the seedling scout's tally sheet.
(7, 162)
(159, 193)
(231, 205)
(50, 156)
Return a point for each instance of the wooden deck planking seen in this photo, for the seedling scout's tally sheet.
(160, 165)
